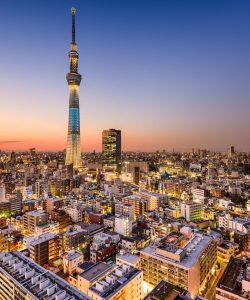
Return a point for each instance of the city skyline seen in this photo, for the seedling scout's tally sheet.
(179, 81)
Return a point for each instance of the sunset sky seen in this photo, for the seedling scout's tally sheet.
(169, 74)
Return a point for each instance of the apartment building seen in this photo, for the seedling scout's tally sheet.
(191, 211)
(124, 282)
(45, 248)
(180, 260)
(32, 219)
(21, 278)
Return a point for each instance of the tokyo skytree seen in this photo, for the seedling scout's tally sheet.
(73, 151)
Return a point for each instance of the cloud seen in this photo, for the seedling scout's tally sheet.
(10, 142)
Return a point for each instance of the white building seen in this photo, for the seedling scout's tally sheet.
(199, 195)
(123, 225)
(239, 224)
(27, 192)
(224, 203)
(191, 211)
(126, 210)
(75, 212)
(128, 259)
(53, 227)
(223, 220)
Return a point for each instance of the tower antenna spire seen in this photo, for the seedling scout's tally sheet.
(73, 13)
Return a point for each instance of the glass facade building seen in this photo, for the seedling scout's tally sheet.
(111, 150)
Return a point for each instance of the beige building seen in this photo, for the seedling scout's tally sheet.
(92, 275)
(180, 260)
(32, 219)
(124, 282)
(71, 261)
(128, 259)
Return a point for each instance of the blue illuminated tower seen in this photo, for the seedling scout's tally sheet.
(73, 151)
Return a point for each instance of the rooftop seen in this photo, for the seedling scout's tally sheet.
(129, 258)
(35, 213)
(36, 281)
(236, 272)
(185, 256)
(96, 271)
(43, 238)
(115, 281)
(71, 255)
(165, 290)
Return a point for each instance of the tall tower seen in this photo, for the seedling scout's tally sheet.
(73, 152)
(111, 150)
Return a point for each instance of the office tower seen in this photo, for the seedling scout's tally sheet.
(186, 262)
(45, 248)
(137, 175)
(73, 151)
(32, 151)
(22, 278)
(111, 150)
(231, 152)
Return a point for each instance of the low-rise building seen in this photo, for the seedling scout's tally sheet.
(71, 261)
(235, 281)
(124, 282)
(22, 278)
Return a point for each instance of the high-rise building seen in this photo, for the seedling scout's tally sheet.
(111, 150)
(73, 152)
(231, 152)
(188, 263)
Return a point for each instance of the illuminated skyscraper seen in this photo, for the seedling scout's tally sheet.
(111, 150)
(73, 152)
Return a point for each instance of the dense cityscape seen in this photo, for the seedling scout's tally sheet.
(118, 224)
